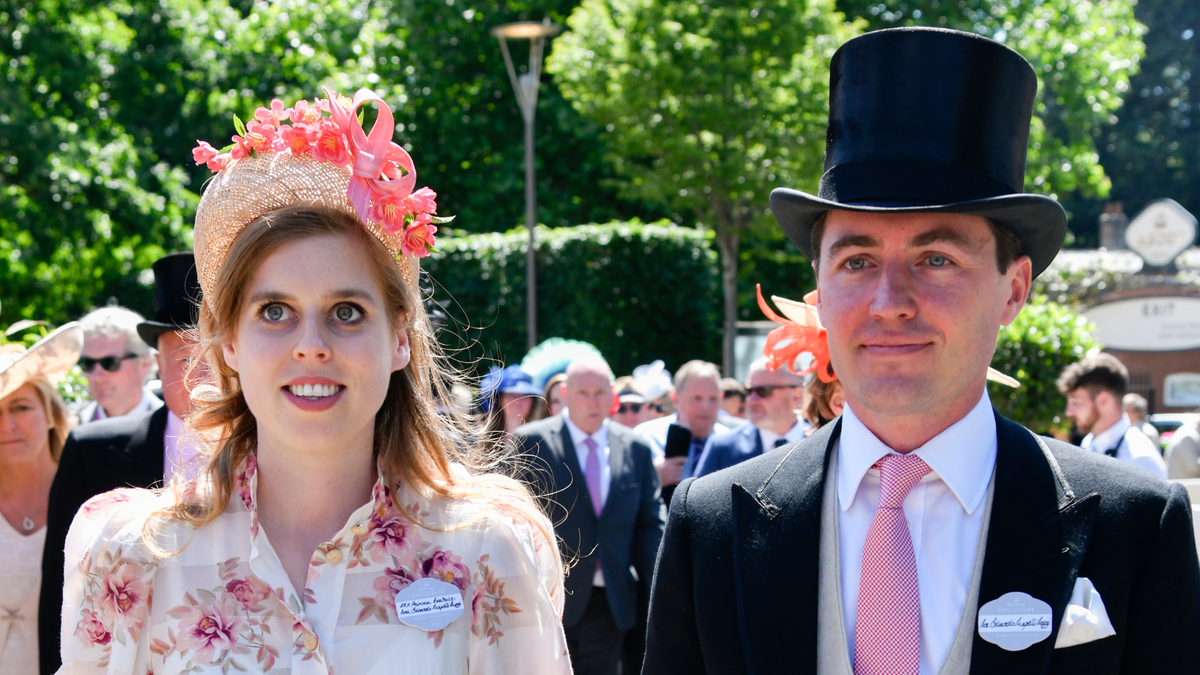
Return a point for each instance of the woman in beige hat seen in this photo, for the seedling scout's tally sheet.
(341, 523)
(33, 428)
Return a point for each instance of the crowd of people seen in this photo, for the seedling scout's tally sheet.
(278, 471)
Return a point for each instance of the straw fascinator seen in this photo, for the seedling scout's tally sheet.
(314, 153)
(52, 357)
(801, 331)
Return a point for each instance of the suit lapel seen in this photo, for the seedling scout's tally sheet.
(146, 447)
(776, 540)
(756, 441)
(617, 451)
(576, 480)
(1036, 540)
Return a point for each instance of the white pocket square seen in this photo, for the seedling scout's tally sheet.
(1085, 619)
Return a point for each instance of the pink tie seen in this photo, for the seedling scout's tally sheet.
(888, 631)
(592, 473)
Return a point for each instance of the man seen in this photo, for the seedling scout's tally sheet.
(1094, 388)
(903, 537)
(140, 450)
(1138, 409)
(697, 399)
(598, 485)
(115, 363)
(733, 403)
(1183, 452)
(771, 404)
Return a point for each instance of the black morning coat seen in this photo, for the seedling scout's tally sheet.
(97, 457)
(736, 586)
(629, 529)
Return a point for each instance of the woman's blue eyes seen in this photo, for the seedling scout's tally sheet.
(347, 313)
(274, 313)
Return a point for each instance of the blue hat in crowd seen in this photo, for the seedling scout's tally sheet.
(510, 380)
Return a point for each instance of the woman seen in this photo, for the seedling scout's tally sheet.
(390, 548)
(508, 399)
(824, 402)
(555, 394)
(33, 428)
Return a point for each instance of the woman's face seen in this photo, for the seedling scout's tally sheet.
(314, 348)
(555, 404)
(24, 426)
(516, 409)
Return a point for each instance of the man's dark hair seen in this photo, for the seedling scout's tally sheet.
(1008, 246)
(731, 387)
(1096, 373)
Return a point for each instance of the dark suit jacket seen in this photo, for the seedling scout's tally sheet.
(736, 586)
(730, 448)
(97, 457)
(629, 529)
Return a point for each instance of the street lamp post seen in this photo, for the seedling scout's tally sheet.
(525, 86)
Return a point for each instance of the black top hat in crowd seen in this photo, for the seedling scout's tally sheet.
(928, 120)
(176, 297)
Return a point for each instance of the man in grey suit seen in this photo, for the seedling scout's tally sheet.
(597, 481)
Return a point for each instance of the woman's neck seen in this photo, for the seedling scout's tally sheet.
(305, 496)
(25, 490)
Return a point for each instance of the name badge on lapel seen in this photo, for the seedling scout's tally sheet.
(429, 604)
(1015, 621)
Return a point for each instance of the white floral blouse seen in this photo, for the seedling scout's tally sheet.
(224, 604)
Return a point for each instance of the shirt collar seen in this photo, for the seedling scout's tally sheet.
(793, 435)
(1110, 437)
(579, 435)
(962, 456)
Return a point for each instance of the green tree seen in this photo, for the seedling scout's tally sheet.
(708, 105)
(1045, 338)
(1084, 53)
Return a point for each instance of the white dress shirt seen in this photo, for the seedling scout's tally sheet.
(945, 513)
(1132, 445)
(92, 411)
(578, 436)
(181, 451)
(793, 435)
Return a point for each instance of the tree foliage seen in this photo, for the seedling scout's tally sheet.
(1035, 348)
(604, 284)
(708, 105)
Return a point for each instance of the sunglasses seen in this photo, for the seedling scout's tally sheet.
(765, 391)
(110, 363)
(630, 407)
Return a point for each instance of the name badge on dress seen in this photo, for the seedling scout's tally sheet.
(1015, 621)
(429, 604)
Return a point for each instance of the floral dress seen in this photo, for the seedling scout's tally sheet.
(224, 603)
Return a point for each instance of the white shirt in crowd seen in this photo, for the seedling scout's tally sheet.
(578, 436)
(181, 451)
(1132, 445)
(945, 513)
(793, 435)
(94, 412)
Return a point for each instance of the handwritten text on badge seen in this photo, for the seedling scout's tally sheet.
(429, 604)
(1015, 621)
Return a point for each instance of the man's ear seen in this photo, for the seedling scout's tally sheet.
(403, 353)
(230, 353)
(1018, 281)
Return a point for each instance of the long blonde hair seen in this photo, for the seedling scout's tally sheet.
(412, 440)
(56, 414)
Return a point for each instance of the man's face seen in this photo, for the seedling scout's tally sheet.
(697, 403)
(734, 404)
(912, 304)
(1083, 409)
(778, 407)
(174, 356)
(117, 392)
(589, 398)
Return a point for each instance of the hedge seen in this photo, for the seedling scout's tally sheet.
(1045, 338)
(638, 292)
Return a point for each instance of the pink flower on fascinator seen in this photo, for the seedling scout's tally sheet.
(219, 162)
(422, 201)
(276, 114)
(260, 136)
(303, 113)
(296, 138)
(203, 152)
(389, 212)
(418, 238)
(330, 145)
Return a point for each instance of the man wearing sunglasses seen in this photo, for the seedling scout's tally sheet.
(135, 450)
(772, 399)
(116, 363)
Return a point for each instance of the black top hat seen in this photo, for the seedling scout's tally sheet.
(928, 120)
(176, 297)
